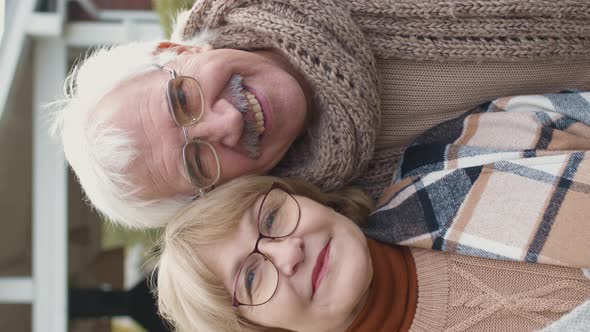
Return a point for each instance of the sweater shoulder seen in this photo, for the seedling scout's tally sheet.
(432, 271)
(478, 294)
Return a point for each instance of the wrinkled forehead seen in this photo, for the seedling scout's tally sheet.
(234, 249)
(134, 99)
(139, 109)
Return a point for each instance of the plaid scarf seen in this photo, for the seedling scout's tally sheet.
(509, 179)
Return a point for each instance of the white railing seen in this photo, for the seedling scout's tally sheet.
(13, 44)
(47, 288)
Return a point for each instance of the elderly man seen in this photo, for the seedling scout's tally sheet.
(325, 90)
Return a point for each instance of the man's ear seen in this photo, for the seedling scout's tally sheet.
(181, 48)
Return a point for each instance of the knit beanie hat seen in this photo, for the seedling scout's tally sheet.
(321, 41)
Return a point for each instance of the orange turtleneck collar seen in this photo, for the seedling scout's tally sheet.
(394, 292)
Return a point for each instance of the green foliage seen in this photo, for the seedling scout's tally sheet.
(167, 10)
(114, 236)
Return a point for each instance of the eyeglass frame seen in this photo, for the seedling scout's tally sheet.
(275, 185)
(199, 190)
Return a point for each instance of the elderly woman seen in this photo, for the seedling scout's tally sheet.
(325, 90)
(263, 254)
(509, 180)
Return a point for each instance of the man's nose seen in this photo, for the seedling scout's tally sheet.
(221, 123)
(285, 253)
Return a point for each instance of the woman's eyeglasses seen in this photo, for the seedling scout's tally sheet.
(258, 276)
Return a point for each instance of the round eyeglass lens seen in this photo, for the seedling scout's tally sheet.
(201, 163)
(257, 281)
(278, 215)
(186, 100)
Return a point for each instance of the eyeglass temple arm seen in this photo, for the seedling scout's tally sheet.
(170, 70)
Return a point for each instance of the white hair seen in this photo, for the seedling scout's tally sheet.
(95, 148)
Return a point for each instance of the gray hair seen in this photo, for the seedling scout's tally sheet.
(98, 151)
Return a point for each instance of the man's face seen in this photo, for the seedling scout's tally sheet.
(140, 107)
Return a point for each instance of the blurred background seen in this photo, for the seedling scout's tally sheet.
(61, 267)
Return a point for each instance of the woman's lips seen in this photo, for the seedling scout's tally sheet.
(320, 268)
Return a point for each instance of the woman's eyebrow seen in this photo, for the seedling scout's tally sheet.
(234, 273)
(252, 215)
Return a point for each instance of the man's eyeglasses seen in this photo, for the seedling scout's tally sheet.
(187, 105)
(258, 277)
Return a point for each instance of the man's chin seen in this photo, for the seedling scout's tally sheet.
(251, 141)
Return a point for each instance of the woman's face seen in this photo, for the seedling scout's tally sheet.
(324, 268)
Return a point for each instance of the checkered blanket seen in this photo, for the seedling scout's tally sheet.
(509, 179)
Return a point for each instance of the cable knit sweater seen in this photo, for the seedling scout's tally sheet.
(462, 293)
(420, 290)
(383, 71)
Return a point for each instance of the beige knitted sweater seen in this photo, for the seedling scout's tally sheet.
(417, 95)
(462, 293)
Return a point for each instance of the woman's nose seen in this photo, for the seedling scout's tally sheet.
(221, 123)
(286, 254)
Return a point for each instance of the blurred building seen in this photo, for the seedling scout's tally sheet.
(49, 238)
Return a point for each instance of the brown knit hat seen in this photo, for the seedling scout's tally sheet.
(320, 40)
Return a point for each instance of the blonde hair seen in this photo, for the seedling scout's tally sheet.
(189, 295)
